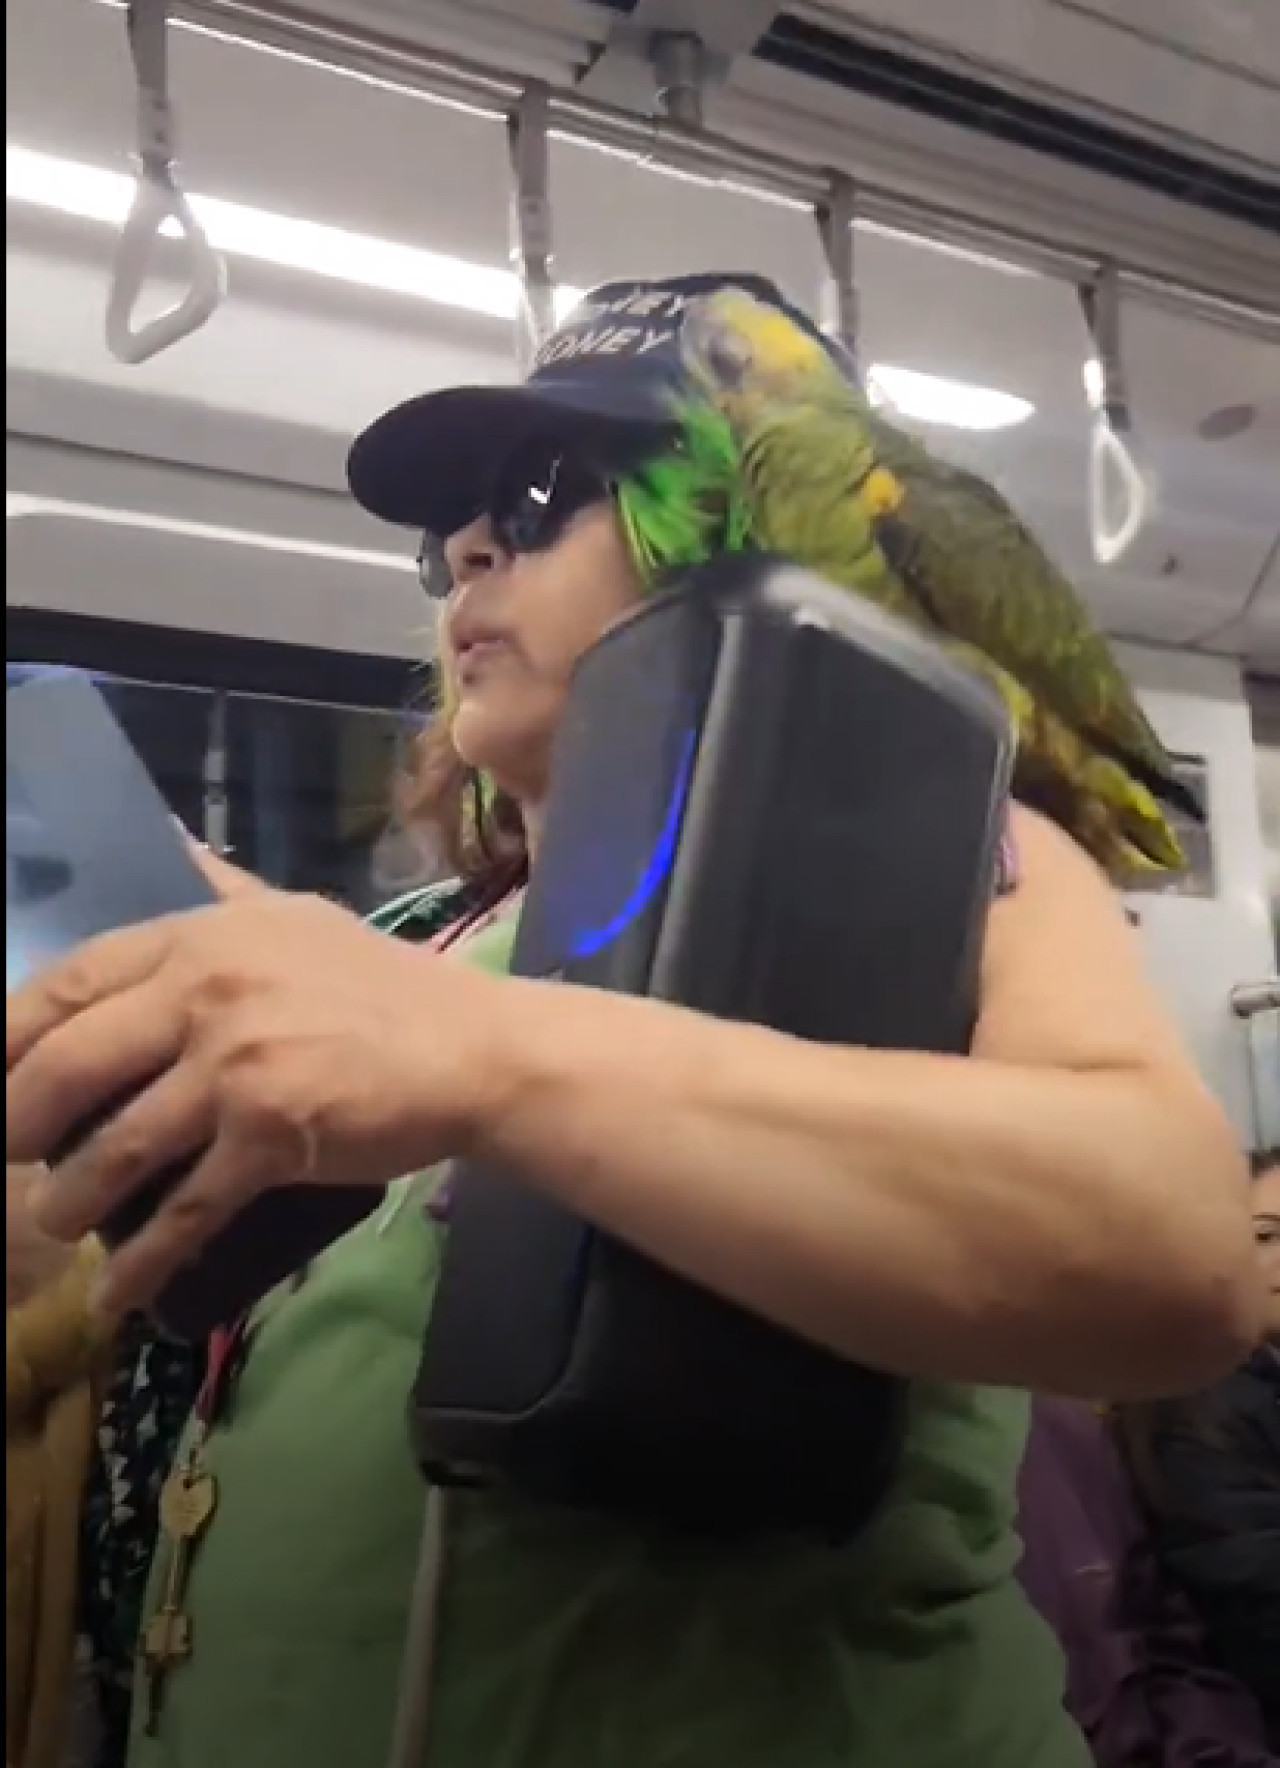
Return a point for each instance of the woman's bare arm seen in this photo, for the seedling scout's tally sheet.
(1066, 1211)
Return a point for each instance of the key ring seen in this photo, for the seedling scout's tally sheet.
(158, 202)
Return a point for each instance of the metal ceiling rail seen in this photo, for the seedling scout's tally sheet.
(694, 152)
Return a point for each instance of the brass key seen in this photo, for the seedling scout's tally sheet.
(187, 1502)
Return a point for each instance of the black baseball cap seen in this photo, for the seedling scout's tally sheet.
(605, 383)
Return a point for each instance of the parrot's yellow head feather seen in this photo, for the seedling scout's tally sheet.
(763, 371)
(729, 339)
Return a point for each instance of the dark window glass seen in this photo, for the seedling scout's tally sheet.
(310, 791)
(295, 788)
(169, 727)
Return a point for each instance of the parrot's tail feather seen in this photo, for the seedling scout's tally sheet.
(1157, 847)
(1135, 814)
(1166, 788)
(1099, 800)
(1135, 863)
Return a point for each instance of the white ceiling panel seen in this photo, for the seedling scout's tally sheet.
(1207, 75)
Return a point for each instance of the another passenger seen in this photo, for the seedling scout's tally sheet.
(978, 1226)
(1208, 1469)
(92, 1418)
(1138, 1681)
(53, 1351)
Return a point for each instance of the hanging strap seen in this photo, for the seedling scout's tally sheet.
(531, 251)
(159, 206)
(835, 214)
(1115, 482)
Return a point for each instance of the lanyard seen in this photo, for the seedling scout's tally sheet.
(227, 1347)
(471, 925)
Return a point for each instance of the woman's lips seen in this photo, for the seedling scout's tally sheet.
(473, 658)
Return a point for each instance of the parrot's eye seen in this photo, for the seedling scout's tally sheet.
(728, 357)
(711, 347)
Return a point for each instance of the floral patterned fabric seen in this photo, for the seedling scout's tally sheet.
(146, 1405)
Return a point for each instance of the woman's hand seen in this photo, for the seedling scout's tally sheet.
(31, 1259)
(271, 1040)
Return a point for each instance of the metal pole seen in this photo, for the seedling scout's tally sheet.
(679, 71)
(1252, 1002)
(1100, 303)
(468, 85)
(1249, 999)
(531, 222)
(216, 807)
(838, 307)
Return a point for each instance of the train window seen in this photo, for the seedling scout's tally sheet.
(250, 752)
(309, 790)
(169, 727)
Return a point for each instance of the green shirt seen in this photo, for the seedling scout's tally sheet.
(569, 1641)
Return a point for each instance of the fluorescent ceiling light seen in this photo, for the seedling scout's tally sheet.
(91, 193)
(932, 399)
(19, 507)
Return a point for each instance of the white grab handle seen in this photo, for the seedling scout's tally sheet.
(157, 202)
(159, 207)
(1114, 479)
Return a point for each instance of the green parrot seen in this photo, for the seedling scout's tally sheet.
(833, 483)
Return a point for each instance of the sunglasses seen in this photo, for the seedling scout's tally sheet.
(532, 502)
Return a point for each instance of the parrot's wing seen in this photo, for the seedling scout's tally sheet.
(987, 580)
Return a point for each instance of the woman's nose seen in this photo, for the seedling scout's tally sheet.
(472, 552)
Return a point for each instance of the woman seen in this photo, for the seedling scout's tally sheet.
(1138, 1681)
(1208, 1470)
(977, 1226)
(92, 1419)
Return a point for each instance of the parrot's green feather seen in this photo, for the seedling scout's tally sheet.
(1019, 607)
(688, 504)
(833, 484)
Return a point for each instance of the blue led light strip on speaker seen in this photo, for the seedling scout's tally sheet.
(656, 868)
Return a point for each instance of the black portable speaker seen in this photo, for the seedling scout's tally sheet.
(90, 846)
(770, 802)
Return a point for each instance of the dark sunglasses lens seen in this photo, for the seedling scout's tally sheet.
(536, 501)
(532, 503)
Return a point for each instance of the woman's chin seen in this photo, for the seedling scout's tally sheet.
(489, 738)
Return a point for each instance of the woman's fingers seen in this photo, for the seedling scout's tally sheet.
(89, 976)
(32, 1258)
(226, 1178)
(166, 1126)
(227, 879)
(87, 1065)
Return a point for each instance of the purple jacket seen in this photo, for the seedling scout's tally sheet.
(1137, 1682)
